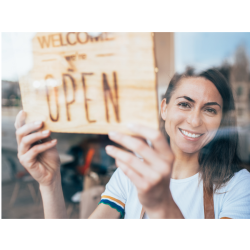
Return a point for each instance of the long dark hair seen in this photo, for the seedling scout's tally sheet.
(219, 159)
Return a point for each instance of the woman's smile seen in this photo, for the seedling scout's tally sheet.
(189, 135)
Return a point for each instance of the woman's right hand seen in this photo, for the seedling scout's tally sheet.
(37, 151)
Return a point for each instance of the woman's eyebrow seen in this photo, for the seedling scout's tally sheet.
(186, 97)
(191, 100)
(212, 103)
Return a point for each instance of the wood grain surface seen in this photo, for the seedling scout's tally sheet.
(81, 84)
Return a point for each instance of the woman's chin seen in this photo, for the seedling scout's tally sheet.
(188, 149)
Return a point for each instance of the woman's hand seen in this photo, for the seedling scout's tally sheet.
(150, 176)
(36, 151)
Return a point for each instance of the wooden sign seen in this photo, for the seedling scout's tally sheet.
(84, 84)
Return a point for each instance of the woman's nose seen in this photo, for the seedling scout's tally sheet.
(194, 119)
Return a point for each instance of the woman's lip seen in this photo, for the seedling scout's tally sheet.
(190, 138)
(191, 132)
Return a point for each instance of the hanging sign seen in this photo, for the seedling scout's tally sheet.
(85, 84)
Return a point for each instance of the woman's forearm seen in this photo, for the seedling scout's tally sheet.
(53, 201)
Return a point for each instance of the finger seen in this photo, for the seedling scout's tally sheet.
(20, 119)
(28, 140)
(28, 158)
(27, 129)
(135, 145)
(136, 179)
(133, 162)
(157, 139)
(46, 139)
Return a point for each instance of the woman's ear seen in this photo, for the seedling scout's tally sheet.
(164, 109)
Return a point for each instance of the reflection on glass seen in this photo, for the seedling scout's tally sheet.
(192, 53)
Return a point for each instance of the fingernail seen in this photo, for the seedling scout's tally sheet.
(112, 134)
(45, 132)
(53, 141)
(38, 123)
(21, 111)
(109, 148)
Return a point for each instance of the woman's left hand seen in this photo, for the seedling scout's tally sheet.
(150, 176)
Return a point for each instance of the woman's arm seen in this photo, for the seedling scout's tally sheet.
(150, 176)
(53, 200)
(37, 153)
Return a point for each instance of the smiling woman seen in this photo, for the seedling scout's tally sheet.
(191, 170)
(197, 119)
(207, 113)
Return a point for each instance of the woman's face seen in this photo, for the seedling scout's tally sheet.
(193, 115)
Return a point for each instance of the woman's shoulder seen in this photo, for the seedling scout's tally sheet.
(241, 180)
(241, 175)
(120, 176)
(119, 182)
(235, 200)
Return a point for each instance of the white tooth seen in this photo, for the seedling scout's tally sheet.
(189, 134)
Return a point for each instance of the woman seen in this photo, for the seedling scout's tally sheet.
(173, 180)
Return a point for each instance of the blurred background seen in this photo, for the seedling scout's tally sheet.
(86, 168)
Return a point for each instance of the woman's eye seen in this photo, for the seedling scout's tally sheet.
(212, 111)
(183, 105)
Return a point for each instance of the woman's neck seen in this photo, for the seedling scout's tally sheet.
(185, 165)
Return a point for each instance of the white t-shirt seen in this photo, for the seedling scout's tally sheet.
(232, 200)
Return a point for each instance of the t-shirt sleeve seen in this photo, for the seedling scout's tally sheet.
(116, 192)
(236, 203)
